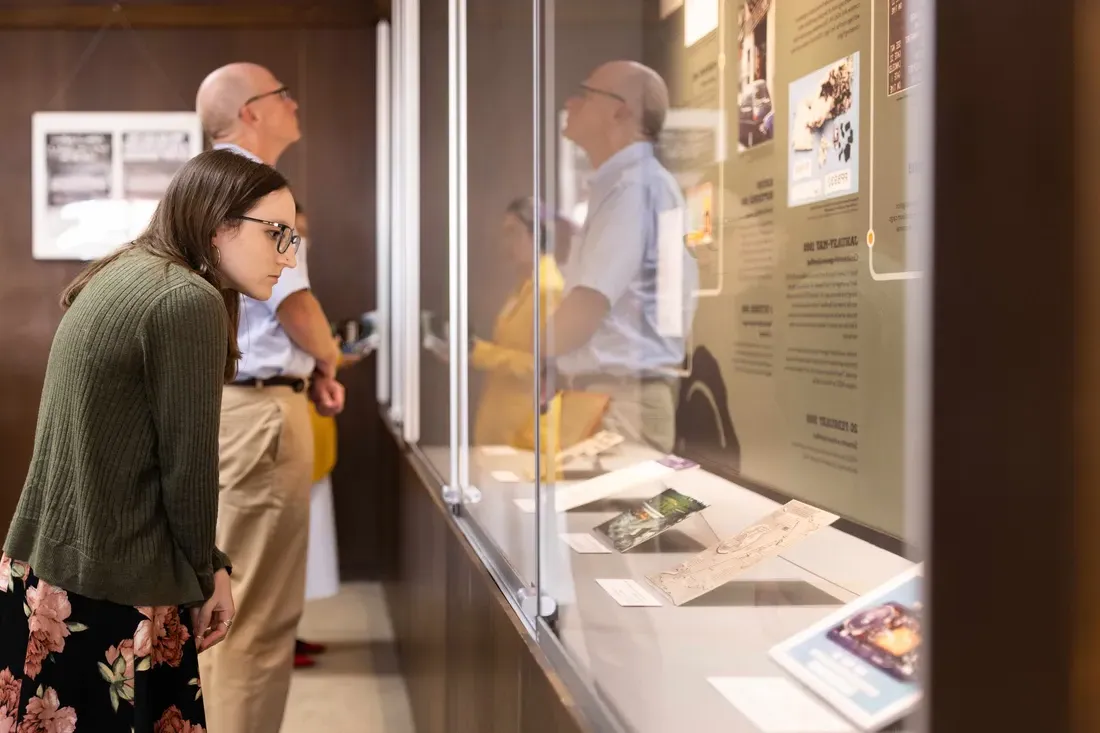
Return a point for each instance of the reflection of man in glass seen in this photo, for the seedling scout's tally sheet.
(630, 280)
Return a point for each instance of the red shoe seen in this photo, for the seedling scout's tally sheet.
(303, 661)
(306, 647)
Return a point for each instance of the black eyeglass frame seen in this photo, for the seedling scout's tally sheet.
(284, 91)
(600, 92)
(285, 242)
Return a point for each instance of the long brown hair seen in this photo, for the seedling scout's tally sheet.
(211, 189)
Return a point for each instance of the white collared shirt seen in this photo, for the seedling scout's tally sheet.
(266, 349)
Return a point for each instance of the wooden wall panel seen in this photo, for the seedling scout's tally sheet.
(331, 72)
(1002, 553)
(468, 664)
(1086, 642)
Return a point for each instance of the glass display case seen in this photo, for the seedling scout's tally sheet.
(668, 308)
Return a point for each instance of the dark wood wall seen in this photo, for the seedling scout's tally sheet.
(158, 67)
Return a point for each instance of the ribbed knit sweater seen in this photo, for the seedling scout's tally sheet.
(121, 498)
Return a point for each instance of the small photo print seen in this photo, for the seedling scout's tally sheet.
(887, 636)
(756, 55)
(649, 519)
(823, 159)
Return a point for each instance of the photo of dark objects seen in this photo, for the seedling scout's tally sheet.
(756, 116)
(887, 636)
(843, 139)
(704, 427)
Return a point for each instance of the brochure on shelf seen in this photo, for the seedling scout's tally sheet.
(649, 519)
(864, 659)
(720, 563)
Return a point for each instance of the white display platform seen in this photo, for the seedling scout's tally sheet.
(651, 665)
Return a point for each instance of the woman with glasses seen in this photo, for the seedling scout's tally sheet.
(110, 581)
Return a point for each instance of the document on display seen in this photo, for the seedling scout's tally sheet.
(720, 563)
(865, 659)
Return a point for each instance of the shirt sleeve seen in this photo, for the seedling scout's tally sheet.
(184, 347)
(291, 281)
(610, 256)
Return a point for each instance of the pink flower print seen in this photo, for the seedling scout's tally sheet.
(10, 569)
(47, 609)
(45, 715)
(172, 722)
(10, 687)
(161, 635)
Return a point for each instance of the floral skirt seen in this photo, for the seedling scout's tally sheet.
(70, 664)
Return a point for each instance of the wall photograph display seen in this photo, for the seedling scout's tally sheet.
(824, 133)
(98, 176)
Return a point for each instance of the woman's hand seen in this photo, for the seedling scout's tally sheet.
(212, 620)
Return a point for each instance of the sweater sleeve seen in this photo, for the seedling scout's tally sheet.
(183, 341)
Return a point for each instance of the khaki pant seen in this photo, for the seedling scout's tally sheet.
(263, 525)
(640, 410)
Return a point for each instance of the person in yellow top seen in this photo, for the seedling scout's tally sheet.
(506, 410)
(322, 564)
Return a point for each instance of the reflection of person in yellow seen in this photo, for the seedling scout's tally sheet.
(505, 410)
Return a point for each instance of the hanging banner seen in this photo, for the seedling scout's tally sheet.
(97, 176)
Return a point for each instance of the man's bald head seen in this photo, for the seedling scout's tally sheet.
(224, 91)
(245, 105)
(641, 88)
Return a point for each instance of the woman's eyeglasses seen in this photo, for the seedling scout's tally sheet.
(287, 236)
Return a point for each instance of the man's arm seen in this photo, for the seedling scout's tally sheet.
(303, 319)
(575, 321)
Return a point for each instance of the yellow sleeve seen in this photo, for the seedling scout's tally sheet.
(489, 356)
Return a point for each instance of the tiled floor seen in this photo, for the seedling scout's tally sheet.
(355, 687)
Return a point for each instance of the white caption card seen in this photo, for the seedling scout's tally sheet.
(627, 592)
(506, 477)
(776, 705)
(585, 543)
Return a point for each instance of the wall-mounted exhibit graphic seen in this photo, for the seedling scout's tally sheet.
(756, 56)
(807, 243)
(905, 61)
(98, 176)
(700, 20)
(824, 133)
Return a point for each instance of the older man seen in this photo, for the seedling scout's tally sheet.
(288, 356)
(630, 280)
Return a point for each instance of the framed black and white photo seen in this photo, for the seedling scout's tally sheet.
(97, 176)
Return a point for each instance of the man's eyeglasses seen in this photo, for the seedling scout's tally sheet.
(585, 89)
(282, 92)
(287, 236)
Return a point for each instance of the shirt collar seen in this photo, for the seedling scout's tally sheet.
(238, 150)
(628, 156)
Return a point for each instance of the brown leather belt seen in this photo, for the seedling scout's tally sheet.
(296, 383)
